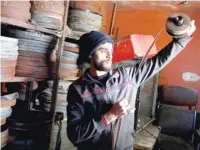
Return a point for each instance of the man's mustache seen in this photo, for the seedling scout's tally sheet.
(107, 60)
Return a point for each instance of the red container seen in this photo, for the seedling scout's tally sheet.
(133, 46)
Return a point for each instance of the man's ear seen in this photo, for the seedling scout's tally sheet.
(89, 59)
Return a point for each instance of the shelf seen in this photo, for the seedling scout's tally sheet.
(69, 78)
(26, 79)
(70, 39)
(19, 23)
(20, 79)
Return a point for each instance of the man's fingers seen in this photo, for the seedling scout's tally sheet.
(125, 109)
(130, 111)
(192, 22)
(123, 102)
(192, 28)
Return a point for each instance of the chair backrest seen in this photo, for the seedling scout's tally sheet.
(172, 120)
(179, 96)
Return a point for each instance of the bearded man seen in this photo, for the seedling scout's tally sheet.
(103, 96)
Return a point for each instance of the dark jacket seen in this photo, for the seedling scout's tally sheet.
(88, 100)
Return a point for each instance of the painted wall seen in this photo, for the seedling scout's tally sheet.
(106, 10)
(150, 22)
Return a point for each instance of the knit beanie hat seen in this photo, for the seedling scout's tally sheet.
(90, 41)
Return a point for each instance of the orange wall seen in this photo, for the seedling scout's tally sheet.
(106, 10)
(150, 22)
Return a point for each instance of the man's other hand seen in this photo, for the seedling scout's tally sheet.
(192, 28)
(118, 110)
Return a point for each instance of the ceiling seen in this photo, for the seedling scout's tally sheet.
(158, 5)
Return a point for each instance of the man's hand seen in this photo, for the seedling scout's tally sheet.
(192, 28)
(119, 110)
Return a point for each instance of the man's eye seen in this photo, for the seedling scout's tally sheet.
(103, 50)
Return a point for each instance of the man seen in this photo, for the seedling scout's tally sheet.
(103, 96)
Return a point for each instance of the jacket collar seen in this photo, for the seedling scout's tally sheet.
(87, 77)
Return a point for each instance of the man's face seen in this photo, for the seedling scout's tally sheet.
(102, 57)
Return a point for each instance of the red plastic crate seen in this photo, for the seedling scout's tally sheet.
(133, 46)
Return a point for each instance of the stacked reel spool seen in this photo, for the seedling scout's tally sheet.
(35, 52)
(9, 55)
(84, 17)
(48, 14)
(17, 10)
(7, 101)
(68, 62)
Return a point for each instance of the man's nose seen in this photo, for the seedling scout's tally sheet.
(109, 55)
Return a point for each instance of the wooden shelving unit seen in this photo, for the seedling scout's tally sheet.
(18, 23)
(69, 78)
(20, 79)
(61, 38)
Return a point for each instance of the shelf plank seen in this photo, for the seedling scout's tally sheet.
(19, 79)
(71, 39)
(26, 79)
(69, 78)
(29, 26)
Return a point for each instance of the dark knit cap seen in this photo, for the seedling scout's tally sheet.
(90, 41)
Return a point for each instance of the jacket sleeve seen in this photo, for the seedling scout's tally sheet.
(158, 62)
(79, 127)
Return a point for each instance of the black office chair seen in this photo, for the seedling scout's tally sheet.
(177, 123)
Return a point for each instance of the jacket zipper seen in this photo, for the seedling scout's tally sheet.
(111, 125)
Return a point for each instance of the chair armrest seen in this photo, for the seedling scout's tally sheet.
(197, 139)
(197, 135)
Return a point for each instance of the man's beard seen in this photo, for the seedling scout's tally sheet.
(102, 65)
